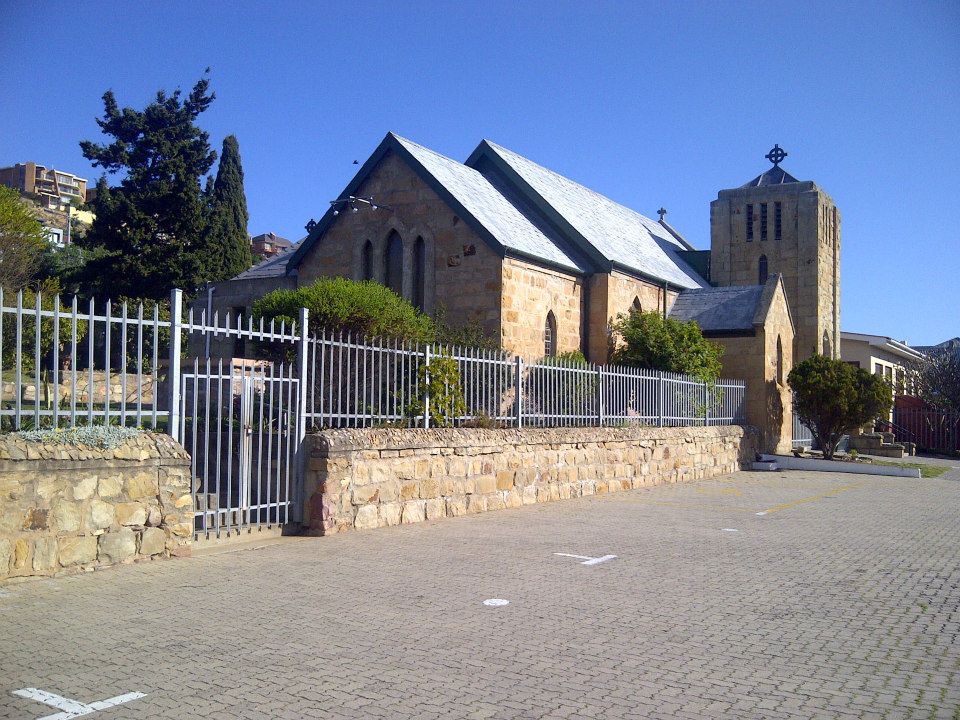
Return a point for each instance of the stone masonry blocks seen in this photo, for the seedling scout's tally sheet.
(364, 479)
(66, 508)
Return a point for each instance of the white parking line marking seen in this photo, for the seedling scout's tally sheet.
(73, 708)
(761, 514)
(496, 602)
(730, 530)
(587, 560)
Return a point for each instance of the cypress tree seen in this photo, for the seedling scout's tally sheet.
(227, 243)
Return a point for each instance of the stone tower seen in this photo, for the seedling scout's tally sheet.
(778, 224)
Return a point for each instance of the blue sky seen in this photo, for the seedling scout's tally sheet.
(650, 104)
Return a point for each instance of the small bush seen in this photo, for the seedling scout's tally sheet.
(446, 396)
(101, 436)
(336, 304)
(655, 343)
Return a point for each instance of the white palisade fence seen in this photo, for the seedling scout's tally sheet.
(90, 363)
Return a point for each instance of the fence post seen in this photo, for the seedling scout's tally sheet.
(173, 374)
(706, 412)
(301, 417)
(600, 395)
(519, 391)
(426, 389)
(660, 399)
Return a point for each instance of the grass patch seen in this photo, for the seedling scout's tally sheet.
(926, 471)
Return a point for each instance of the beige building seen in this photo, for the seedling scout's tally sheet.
(52, 188)
(268, 245)
(881, 355)
(778, 224)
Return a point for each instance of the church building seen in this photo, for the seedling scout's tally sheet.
(545, 265)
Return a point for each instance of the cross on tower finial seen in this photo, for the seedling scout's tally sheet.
(661, 212)
(776, 155)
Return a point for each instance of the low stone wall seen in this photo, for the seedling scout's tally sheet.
(372, 478)
(67, 508)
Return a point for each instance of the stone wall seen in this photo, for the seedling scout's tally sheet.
(66, 508)
(763, 359)
(530, 292)
(372, 478)
(462, 273)
(807, 255)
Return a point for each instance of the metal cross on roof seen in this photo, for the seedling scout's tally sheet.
(776, 155)
(661, 212)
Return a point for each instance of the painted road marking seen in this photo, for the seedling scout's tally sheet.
(496, 602)
(730, 530)
(587, 560)
(812, 498)
(73, 708)
(761, 514)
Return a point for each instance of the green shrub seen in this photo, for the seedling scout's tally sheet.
(446, 395)
(833, 397)
(655, 343)
(336, 304)
(49, 290)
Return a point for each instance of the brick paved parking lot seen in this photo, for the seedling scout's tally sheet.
(842, 601)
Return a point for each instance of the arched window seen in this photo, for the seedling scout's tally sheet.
(636, 307)
(393, 263)
(366, 269)
(550, 335)
(779, 361)
(763, 270)
(826, 344)
(419, 272)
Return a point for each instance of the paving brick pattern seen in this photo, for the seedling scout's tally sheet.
(843, 601)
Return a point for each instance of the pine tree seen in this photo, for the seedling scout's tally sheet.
(227, 245)
(150, 228)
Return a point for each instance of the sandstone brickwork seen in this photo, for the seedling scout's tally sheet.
(807, 255)
(66, 508)
(462, 272)
(362, 479)
(530, 293)
(763, 360)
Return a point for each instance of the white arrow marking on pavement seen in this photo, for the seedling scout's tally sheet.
(73, 708)
(587, 560)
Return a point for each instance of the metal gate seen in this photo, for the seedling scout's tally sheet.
(239, 420)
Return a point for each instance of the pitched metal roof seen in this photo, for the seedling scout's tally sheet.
(602, 227)
(523, 209)
(513, 226)
(774, 176)
(719, 309)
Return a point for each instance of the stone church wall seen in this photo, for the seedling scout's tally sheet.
(764, 367)
(464, 275)
(529, 294)
(807, 255)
